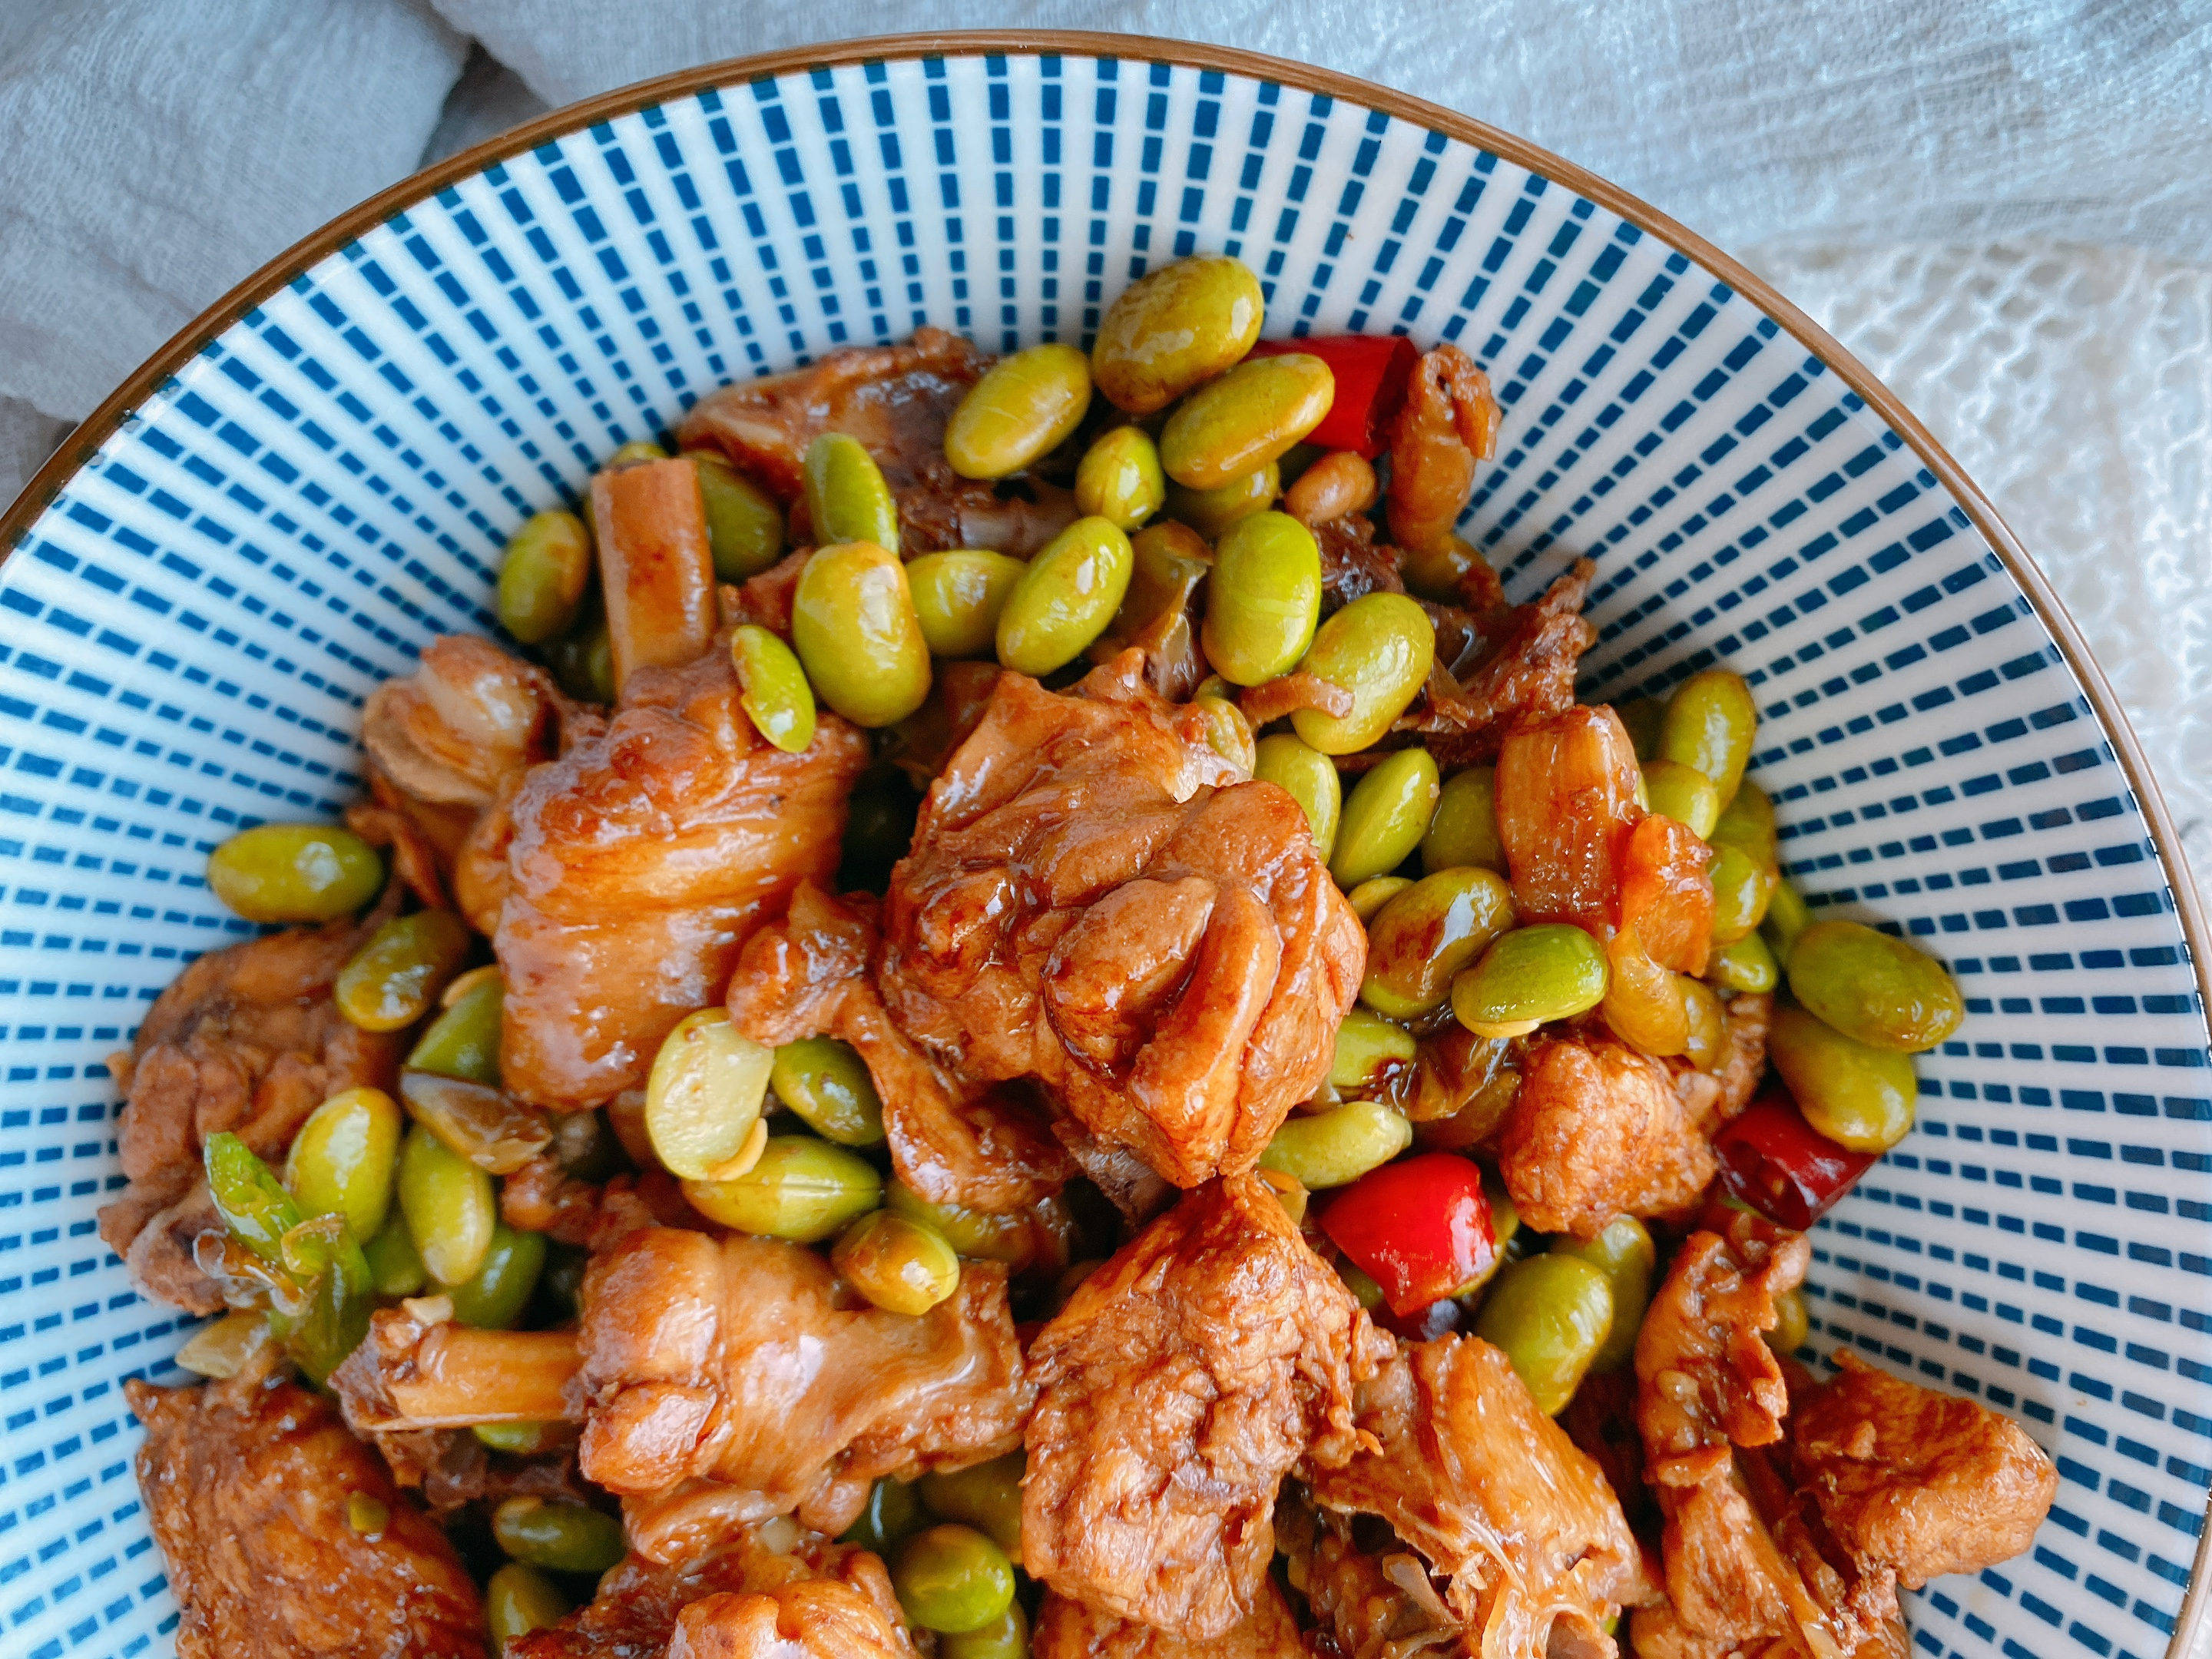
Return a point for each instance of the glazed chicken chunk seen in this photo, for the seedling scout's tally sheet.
(1521, 1528)
(1178, 1385)
(1068, 1630)
(256, 1493)
(1599, 1130)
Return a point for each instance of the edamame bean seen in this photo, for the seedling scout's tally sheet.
(1020, 1238)
(395, 1266)
(1747, 821)
(1371, 1052)
(1464, 830)
(896, 1262)
(1210, 513)
(297, 872)
(853, 621)
(1228, 733)
(1065, 598)
(703, 1098)
(492, 1299)
(847, 499)
(392, 980)
(772, 688)
(463, 1041)
(1623, 1252)
(1792, 1324)
(558, 1535)
(1119, 478)
(1379, 648)
(524, 1439)
(744, 525)
(1264, 599)
(543, 577)
(637, 449)
(958, 596)
(953, 1578)
(1025, 406)
(1437, 571)
(449, 1206)
(1549, 1315)
(985, 1496)
(1372, 895)
(1173, 329)
(491, 1129)
(342, 1160)
(1743, 888)
(1385, 816)
(1249, 416)
(892, 1515)
(1364, 1291)
(1858, 1096)
(1334, 1147)
(1705, 1044)
(1642, 718)
(1645, 1003)
(1787, 917)
(1684, 794)
(1422, 940)
(827, 1084)
(517, 1600)
(1745, 965)
(1310, 779)
(802, 1189)
(1875, 989)
(1529, 976)
(1710, 723)
(1007, 1637)
(583, 659)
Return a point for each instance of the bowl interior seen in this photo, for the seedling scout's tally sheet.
(191, 624)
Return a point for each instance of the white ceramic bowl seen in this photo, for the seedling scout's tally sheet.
(283, 506)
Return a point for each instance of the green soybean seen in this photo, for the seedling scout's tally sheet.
(1684, 794)
(892, 1514)
(1787, 917)
(558, 1535)
(958, 597)
(1007, 1637)
(1025, 406)
(853, 621)
(802, 1189)
(1875, 989)
(1264, 599)
(1464, 830)
(1742, 888)
(1249, 416)
(295, 873)
(1530, 976)
(395, 1266)
(493, 1298)
(1175, 328)
(1625, 1254)
(392, 980)
(1792, 1324)
(1370, 1050)
(827, 1084)
(1310, 779)
(744, 525)
(1549, 1315)
(896, 1262)
(1745, 965)
(1384, 817)
(1369, 896)
(1421, 940)
(846, 498)
(1748, 822)
(953, 1578)
(1212, 513)
(1858, 1096)
(637, 449)
(772, 688)
(1119, 478)
(344, 1158)
(1379, 648)
(543, 577)
(463, 1041)
(1710, 723)
(517, 1600)
(985, 1496)
(449, 1205)
(1334, 1147)
(1065, 598)
(1643, 718)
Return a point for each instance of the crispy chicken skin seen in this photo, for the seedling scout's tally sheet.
(246, 1039)
(727, 1379)
(1521, 1527)
(1924, 1482)
(246, 1484)
(1180, 1383)
(640, 861)
(1599, 1131)
(1068, 1630)
(759, 1585)
(1098, 901)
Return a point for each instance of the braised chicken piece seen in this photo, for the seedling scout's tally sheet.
(1924, 1483)
(1449, 421)
(544, 1197)
(1521, 1528)
(462, 728)
(1599, 1131)
(1180, 1383)
(1566, 813)
(895, 400)
(1711, 1099)
(760, 1585)
(1369, 1597)
(1068, 1630)
(246, 1039)
(640, 859)
(284, 1536)
(1098, 902)
(953, 1141)
(1353, 564)
(451, 1468)
(1500, 664)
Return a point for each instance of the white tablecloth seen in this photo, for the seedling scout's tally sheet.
(2003, 206)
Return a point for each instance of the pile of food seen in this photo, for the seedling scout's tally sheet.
(1022, 1015)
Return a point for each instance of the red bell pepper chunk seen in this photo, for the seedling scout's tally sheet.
(1775, 1161)
(1372, 372)
(1420, 1228)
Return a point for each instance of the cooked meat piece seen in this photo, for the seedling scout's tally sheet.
(1068, 1630)
(465, 725)
(1530, 1540)
(737, 1362)
(1706, 1377)
(1922, 1482)
(1375, 1602)
(1016, 516)
(1284, 695)
(246, 1039)
(541, 1197)
(451, 1468)
(1179, 1384)
(812, 1619)
(1567, 813)
(1598, 1131)
(1448, 423)
(765, 600)
(639, 1603)
(1353, 564)
(1132, 1186)
(1505, 665)
(1601, 1419)
(247, 1486)
(1711, 1099)
(1657, 1633)
(1087, 906)
(952, 1140)
(426, 838)
(640, 860)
